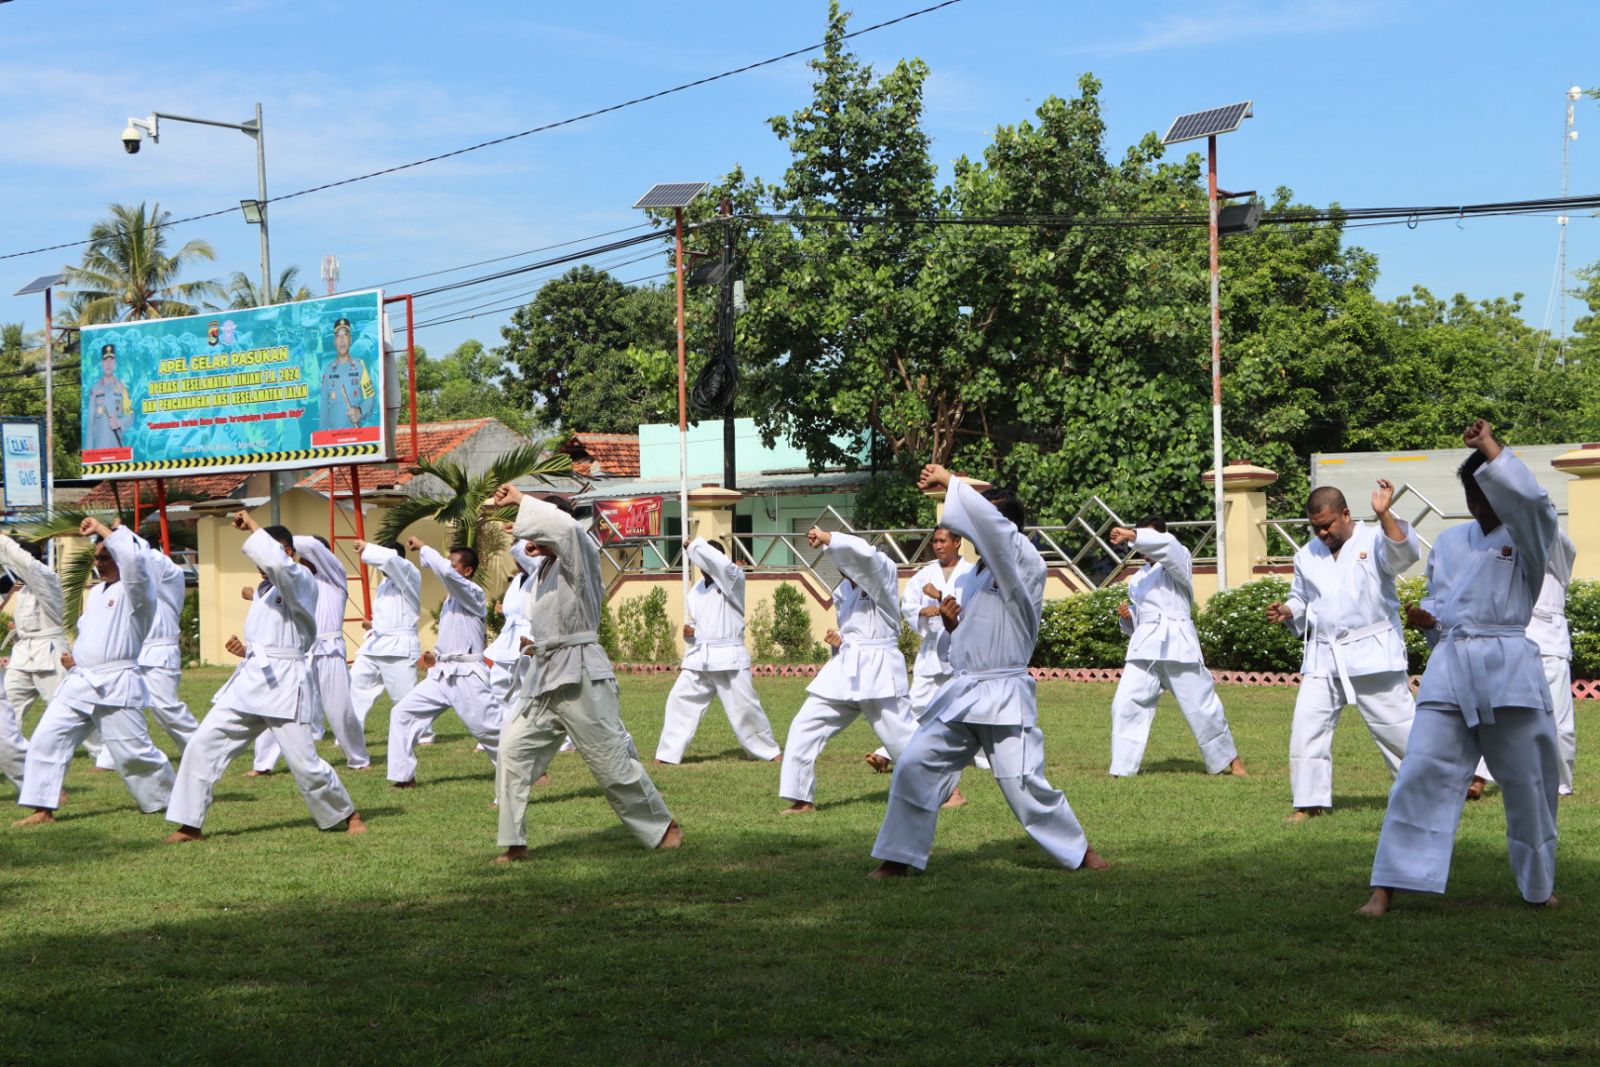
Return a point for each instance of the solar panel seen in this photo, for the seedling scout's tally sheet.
(1207, 123)
(672, 194)
(39, 285)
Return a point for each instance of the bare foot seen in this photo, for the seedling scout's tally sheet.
(355, 824)
(183, 835)
(799, 807)
(958, 799)
(1302, 814)
(543, 779)
(359, 770)
(257, 774)
(661, 763)
(39, 817)
(673, 838)
(1548, 902)
(409, 783)
(776, 759)
(61, 801)
(881, 764)
(1475, 790)
(101, 770)
(1093, 860)
(1236, 768)
(1378, 903)
(890, 869)
(514, 854)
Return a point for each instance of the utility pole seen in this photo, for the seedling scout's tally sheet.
(725, 345)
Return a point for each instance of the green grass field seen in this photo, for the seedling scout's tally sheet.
(1218, 934)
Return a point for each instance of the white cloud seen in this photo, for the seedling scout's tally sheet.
(1238, 21)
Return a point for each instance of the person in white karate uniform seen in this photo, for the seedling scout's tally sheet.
(865, 677)
(273, 688)
(39, 637)
(1484, 692)
(1164, 653)
(457, 677)
(715, 662)
(104, 687)
(387, 658)
(1343, 601)
(160, 661)
(13, 757)
(334, 709)
(504, 653)
(1548, 629)
(991, 704)
(571, 690)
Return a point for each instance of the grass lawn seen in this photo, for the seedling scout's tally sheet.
(1218, 934)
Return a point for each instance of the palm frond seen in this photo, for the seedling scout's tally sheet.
(76, 570)
(410, 510)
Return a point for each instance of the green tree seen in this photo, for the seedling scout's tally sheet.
(22, 381)
(594, 354)
(244, 292)
(469, 383)
(127, 273)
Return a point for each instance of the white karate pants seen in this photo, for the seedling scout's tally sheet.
(11, 721)
(923, 686)
(371, 675)
(331, 710)
(816, 723)
(1387, 707)
(22, 687)
(588, 713)
(691, 695)
(144, 768)
(467, 693)
(929, 767)
(224, 734)
(1558, 676)
(13, 751)
(170, 712)
(1133, 709)
(1419, 827)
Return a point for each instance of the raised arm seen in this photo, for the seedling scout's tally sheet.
(41, 581)
(1397, 545)
(1002, 546)
(292, 581)
(328, 567)
(468, 592)
(1522, 505)
(396, 568)
(727, 575)
(1165, 549)
(866, 566)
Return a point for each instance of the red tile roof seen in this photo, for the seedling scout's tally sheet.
(433, 439)
(616, 453)
(198, 487)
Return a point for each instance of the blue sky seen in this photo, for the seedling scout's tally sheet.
(1364, 103)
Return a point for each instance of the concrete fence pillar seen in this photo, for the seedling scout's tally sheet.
(711, 507)
(1244, 509)
(1583, 506)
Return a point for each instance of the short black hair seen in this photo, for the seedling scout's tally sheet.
(557, 500)
(1008, 504)
(718, 546)
(397, 547)
(1154, 522)
(1325, 498)
(947, 530)
(32, 548)
(469, 555)
(7, 583)
(323, 541)
(1477, 500)
(281, 535)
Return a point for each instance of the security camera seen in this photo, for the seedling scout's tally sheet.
(130, 140)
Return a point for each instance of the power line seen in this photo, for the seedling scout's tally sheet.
(597, 112)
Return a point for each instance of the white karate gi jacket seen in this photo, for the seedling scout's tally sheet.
(396, 606)
(933, 654)
(717, 607)
(166, 578)
(1548, 628)
(565, 629)
(115, 622)
(869, 664)
(462, 619)
(506, 648)
(37, 608)
(1481, 590)
(333, 589)
(1001, 605)
(1346, 606)
(1161, 601)
(274, 680)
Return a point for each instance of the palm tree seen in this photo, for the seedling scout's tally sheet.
(463, 510)
(244, 293)
(127, 274)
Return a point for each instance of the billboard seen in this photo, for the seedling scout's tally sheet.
(25, 470)
(269, 388)
(627, 518)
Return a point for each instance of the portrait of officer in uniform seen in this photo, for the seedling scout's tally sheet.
(110, 407)
(347, 393)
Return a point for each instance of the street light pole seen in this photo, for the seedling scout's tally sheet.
(267, 290)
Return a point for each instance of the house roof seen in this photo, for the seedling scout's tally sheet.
(615, 454)
(751, 483)
(198, 487)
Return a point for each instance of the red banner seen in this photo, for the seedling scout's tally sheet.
(630, 517)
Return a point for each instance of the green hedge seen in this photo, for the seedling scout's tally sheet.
(1082, 631)
(1583, 616)
(1236, 636)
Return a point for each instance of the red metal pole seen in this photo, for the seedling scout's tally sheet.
(361, 532)
(161, 506)
(136, 504)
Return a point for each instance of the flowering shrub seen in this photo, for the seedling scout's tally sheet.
(1583, 617)
(1235, 634)
(1082, 631)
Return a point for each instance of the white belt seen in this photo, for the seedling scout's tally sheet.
(544, 649)
(271, 652)
(1549, 616)
(732, 642)
(1453, 642)
(332, 635)
(458, 657)
(94, 672)
(41, 635)
(1337, 641)
(853, 645)
(161, 642)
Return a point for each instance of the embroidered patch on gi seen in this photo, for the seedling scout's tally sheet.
(1362, 556)
(1506, 552)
